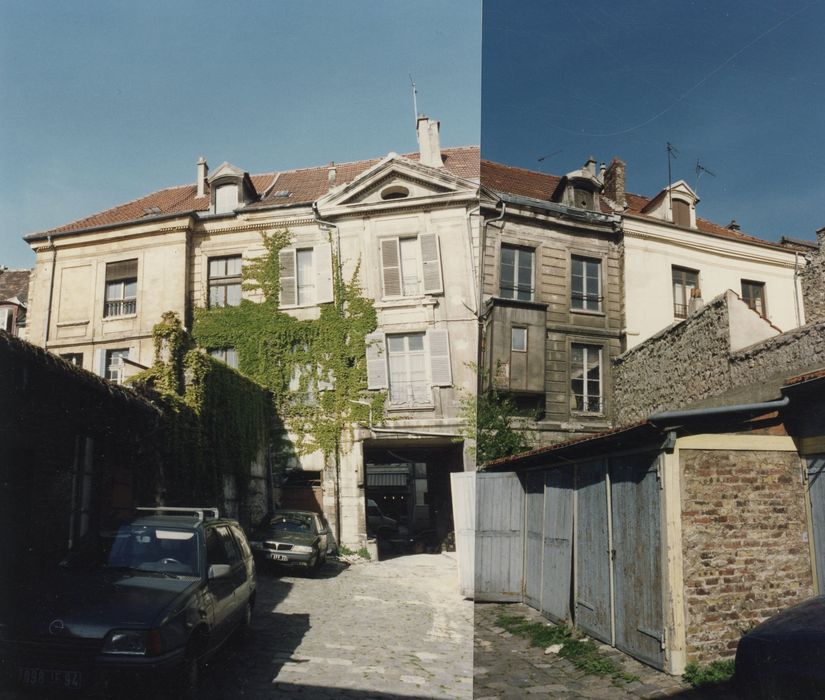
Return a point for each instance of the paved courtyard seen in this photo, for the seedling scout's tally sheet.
(506, 666)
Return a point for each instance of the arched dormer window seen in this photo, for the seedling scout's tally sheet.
(226, 198)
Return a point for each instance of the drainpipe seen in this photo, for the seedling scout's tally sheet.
(51, 294)
(670, 419)
(475, 273)
(482, 246)
(328, 224)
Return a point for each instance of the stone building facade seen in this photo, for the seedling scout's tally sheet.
(402, 223)
(813, 281)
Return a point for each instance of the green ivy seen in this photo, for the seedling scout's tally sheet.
(326, 355)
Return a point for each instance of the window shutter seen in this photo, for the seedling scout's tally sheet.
(440, 370)
(322, 255)
(123, 270)
(288, 278)
(391, 267)
(376, 361)
(100, 362)
(430, 263)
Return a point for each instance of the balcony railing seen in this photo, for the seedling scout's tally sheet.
(120, 307)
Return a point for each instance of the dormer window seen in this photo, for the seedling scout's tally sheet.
(394, 192)
(226, 199)
(582, 199)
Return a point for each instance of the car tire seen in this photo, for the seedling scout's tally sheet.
(314, 565)
(246, 620)
(186, 679)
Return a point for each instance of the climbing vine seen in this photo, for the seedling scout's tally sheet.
(315, 369)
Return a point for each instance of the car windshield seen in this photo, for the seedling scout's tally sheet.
(292, 522)
(151, 548)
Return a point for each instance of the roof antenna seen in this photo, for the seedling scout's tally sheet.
(672, 154)
(415, 101)
(548, 155)
(699, 170)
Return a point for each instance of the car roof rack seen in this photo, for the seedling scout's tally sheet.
(200, 513)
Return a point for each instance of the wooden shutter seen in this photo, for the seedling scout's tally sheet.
(376, 361)
(391, 267)
(430, 264)
(322, 258)
(438, 340)
(123, 270)
(288, 278)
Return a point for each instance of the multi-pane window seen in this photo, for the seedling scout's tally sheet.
(75, 358)
(684, 282)
(585, 283)
(516, 274)
(114, 364)
(121, 288)
(753, 294)
(411, 265)
(305, 276)
(586, 378)
(225, 281)
(229, 356)
(407, 360)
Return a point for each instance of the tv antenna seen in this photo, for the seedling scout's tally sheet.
(415, 100)
(672, 154)
(548, 155)
(700, 170)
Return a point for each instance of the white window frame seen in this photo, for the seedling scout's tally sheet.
(586, 395)
(512, 292)
(419, 393)
(320, 272)
(115, 301)
(428, 273)
(6, 319)
(225, 281)
(513, 347)
(113, 364)
(223, 355)
(584, 301)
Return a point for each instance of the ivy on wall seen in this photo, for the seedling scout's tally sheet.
(215, 421)
(315, 369)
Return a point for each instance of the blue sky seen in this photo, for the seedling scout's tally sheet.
(738, 86)
(103, 101)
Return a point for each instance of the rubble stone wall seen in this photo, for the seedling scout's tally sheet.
(682, 364)
(797, 351)
(744, 539)
(813, 283)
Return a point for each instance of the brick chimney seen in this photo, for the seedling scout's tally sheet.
(429, 142)
(614, 182)
(203, 171)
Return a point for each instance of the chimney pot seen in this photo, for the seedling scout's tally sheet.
(733, 226)
(614, 182)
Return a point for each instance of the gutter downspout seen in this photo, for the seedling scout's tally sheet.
(51, 294)
(482, 247)
(670, 419)
(339, 303)
(475, 273)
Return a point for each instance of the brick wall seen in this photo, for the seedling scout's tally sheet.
(813, 283)
(744, 537)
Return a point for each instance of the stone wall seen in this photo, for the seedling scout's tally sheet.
(813, 283)
(683, 363)
(744, 539)
(690, 363)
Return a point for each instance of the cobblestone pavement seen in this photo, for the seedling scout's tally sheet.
(506, 666)
(384, 630)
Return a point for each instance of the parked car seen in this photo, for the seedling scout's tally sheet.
(784, 657)
(298, 538)
(152, 600)
(378, 524)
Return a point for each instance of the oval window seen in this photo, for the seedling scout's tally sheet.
(395, 192)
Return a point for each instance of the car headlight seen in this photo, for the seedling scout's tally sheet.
(302, 549)
(134, 642)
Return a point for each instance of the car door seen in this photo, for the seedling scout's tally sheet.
(221, 589)
(237, 575)
(248, 563)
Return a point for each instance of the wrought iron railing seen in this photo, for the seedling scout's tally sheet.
(120, 307)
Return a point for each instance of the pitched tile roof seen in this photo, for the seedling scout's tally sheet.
(14, 283)
(303, 185)
(529, 183)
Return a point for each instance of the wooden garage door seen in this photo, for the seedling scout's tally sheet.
(557, 565)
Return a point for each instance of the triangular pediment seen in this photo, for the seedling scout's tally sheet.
(225, 170)
(395, 180)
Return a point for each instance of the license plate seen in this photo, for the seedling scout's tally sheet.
(279, 557)
(47, 676)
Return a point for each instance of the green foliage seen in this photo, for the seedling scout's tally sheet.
(488, 420)
(364, 553)
(584, 654)
(344, 551)
(714, 673)
(326, 355)
(215, 421)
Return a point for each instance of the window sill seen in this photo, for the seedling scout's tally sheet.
(119, 318)
(69, 324)
(588, 312)
(395, 302)
(588, 414)
(397, 408)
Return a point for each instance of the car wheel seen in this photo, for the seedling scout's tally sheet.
(314, 565)
(246, 620)
(185, 679)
